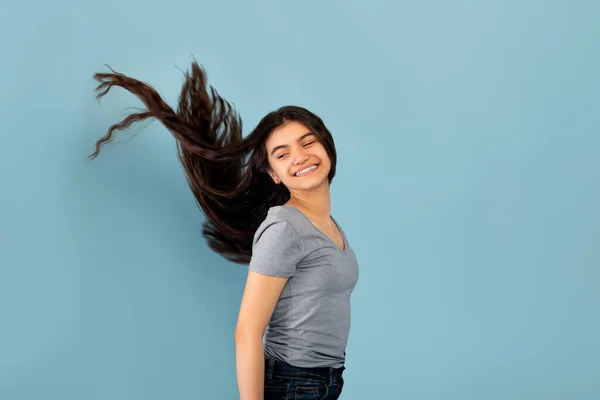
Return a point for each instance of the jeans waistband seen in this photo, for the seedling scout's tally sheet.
(280, 369)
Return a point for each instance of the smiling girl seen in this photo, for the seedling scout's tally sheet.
(266, 198)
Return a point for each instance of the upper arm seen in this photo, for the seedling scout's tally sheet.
(276, 252)
(258, 302)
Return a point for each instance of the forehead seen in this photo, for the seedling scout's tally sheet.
(286, 134)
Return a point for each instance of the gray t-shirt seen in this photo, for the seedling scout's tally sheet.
(311, 321)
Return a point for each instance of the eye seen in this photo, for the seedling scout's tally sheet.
(308, 143)
(280, 156)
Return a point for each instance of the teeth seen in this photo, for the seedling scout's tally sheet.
(305, 170)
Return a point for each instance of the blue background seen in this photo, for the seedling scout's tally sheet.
(468, 184)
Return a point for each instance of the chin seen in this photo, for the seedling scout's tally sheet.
(310, 184)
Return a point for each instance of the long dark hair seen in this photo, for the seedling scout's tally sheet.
(226, 172)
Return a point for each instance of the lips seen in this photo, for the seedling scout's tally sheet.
(306, 171)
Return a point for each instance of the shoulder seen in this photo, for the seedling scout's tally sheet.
(280, 225)
(276, 248)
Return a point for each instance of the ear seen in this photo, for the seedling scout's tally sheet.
(274, 177)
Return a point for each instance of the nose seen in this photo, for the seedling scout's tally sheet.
(301, 158)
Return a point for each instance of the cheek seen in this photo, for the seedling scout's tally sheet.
(279, 168)
(324, 156)
(326, 161)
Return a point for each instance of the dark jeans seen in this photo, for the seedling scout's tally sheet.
(285, 382)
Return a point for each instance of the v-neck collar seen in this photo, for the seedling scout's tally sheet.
(344, 241)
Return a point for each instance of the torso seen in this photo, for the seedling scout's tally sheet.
(311, 320)
(332, 232)
(330, 229)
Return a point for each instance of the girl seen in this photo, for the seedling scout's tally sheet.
(266, 198)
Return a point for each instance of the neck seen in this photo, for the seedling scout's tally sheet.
(316, 203)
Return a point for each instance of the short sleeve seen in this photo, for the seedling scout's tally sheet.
(275, 249)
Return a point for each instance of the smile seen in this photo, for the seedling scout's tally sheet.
(306, 171)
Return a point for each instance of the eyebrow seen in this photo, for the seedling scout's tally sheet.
(281, 146)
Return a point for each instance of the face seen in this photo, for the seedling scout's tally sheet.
(297, 159)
